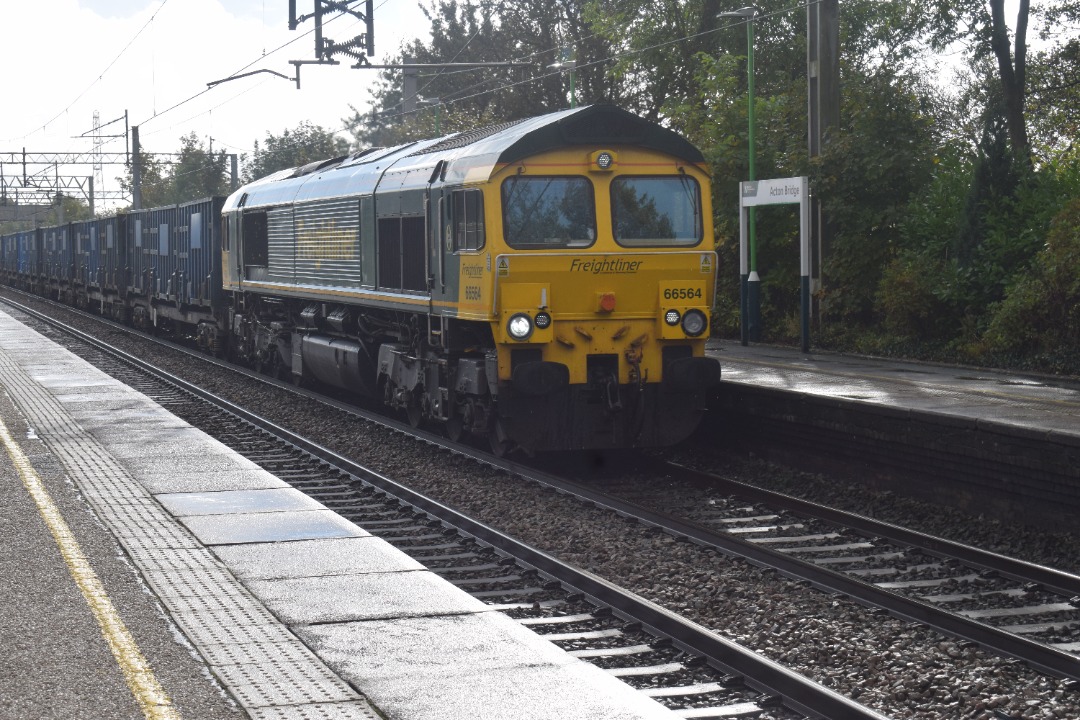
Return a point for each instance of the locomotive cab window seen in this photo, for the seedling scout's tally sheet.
(656, 211)
(467, 219)
(548, 212)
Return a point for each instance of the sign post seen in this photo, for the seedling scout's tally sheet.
(784, 191)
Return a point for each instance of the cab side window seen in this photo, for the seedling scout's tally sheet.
(467, 219)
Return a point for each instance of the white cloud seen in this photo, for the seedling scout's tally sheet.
(55, 62)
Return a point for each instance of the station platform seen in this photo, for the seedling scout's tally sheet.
(1035, 403)
(1003, 444)
(149, 570)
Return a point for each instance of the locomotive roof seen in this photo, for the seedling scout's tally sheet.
(472, 155)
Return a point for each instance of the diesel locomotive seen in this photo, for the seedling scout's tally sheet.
(544, 283)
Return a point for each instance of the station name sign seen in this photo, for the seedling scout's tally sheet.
(773, 192)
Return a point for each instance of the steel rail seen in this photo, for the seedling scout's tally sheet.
(1052, 579)
(1039, 656)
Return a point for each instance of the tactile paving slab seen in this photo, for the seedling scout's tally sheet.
(265, 667)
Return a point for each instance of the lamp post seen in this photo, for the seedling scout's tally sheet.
(567, 63)
(751, 283)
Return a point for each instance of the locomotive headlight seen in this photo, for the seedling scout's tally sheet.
(694, 323)
(672, 317)
(519, 327)
(542, 320)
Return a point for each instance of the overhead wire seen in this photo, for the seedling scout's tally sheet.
(108, 67)
(245, 67)
(610, 58)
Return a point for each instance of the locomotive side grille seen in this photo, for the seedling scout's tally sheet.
(281, 245)
(328, 243)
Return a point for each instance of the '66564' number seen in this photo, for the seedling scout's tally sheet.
(682, 293)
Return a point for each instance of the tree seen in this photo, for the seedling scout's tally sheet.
(983, 27)
(532, 33)
(153, 183)
(303, 144)
(1054, 99)
(1012, 69)
(197, 172)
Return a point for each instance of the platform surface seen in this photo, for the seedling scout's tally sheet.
(1025, 401)
(245, 597)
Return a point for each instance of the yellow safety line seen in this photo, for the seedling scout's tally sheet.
(152, 698)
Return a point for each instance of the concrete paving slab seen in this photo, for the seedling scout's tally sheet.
(134, 417)
(314, 558)
(346, 598)
(238, 501)
(56, 383)
(403, 670)
(211, 462)
(101, 396)
(171, 482)
(127, 442)
(269, 527)
(482, 641)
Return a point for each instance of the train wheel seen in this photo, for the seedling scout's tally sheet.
(455, 429)
(413, 412)
(500, 444)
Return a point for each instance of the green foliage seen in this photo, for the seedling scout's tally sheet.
(921, 293)
(533, 33)
(195, 173)
(303, 144)
(1038, 323)
(917, 297)
(1054, 101)
(867, 176)
(153, 180)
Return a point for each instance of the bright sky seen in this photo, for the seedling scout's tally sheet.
(65, 59)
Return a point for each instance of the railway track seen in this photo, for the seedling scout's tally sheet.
(1026, 611)
(681, 664)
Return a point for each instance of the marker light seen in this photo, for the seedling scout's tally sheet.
(542, 320)
(520, 326)
(603, 160)
(694, 323)
(672, 317)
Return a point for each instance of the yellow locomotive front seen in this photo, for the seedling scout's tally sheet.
(603, 280)
(544, 282)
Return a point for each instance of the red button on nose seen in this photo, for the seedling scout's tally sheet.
(607, 302)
